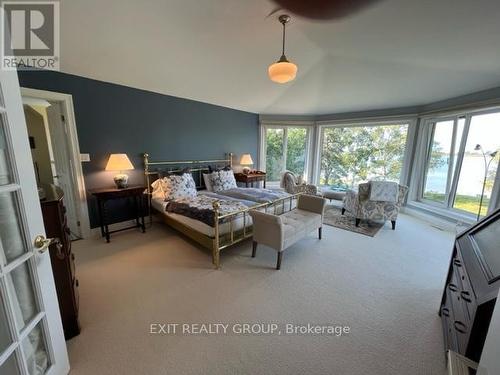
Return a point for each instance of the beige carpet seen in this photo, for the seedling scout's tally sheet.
(386, 288)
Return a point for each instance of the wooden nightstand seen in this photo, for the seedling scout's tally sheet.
(106, 194)
(250, 178)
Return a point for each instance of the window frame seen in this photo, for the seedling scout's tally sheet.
(421, 157)
(285, 126)
(451, 179)
(411, 122)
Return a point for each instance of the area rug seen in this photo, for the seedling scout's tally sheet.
(333, 216)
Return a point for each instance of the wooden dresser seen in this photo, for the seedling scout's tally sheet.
(472, 288)
(62, 259)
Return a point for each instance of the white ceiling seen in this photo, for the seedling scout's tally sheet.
(396, 53)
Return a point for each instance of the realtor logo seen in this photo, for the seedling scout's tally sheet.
(30, 35)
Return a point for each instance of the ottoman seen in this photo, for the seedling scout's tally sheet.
(336, 195)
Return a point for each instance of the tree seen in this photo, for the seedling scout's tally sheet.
(274, 151)
(354, 154)
(492, 173)
(296, 150)
(388, 154)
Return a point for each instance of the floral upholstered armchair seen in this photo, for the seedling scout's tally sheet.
(375, 200)
(292, 185)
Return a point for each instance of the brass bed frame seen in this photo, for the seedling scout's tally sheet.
(219, 241)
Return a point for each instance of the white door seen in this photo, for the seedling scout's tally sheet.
(31, 334)
(64, 172)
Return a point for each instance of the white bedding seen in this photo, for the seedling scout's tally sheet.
(159, 204)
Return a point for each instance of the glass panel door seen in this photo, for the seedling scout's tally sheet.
(479, 166)
(286, 149)
(5, 170)
(31, 336)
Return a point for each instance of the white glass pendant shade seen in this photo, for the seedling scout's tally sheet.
(282, 71)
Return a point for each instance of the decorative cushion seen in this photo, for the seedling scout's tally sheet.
(222, 180)
(158, 189)
(384, 191)
(174, 186)
(181, 187)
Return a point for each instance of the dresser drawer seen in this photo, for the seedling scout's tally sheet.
(459, 266)
(62, 209)
(63, 265)
(72, 266)
(76, 292)
(450, 338)
(466, 293)
(461, 331)
(65, 239)
(458, 323)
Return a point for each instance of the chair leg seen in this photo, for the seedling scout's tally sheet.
(393, 222)
(320, 230)
(278, 263)
(357, 222)
(254, 249)
(343, 210)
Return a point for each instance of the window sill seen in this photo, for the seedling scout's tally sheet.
(445, 218)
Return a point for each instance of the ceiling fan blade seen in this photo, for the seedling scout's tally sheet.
(274, 11)
(324, 9)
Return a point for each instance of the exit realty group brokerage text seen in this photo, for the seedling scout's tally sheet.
(248, 329)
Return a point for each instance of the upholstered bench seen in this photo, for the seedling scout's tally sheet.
(281, 231)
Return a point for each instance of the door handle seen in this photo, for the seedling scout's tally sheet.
(42, 244)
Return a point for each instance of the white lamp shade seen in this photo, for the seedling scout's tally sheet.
(246, 159)
(119, 162)
(282, 72)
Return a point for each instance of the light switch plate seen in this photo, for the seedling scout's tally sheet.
(84, 157)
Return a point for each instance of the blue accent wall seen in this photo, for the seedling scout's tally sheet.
(117, 119)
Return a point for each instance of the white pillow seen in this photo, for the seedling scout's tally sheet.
(159, 189)
(208, 181)
(222, 180)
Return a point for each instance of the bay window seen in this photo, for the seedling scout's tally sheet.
(454, 168)
(459, 161)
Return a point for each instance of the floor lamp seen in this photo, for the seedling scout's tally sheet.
(487, 164)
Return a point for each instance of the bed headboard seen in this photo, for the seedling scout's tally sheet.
(153, 169)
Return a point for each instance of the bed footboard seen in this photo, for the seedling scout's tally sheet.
(221, 241)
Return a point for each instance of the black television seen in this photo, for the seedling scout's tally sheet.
(485, 239)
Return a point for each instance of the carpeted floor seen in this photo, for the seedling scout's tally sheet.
(386, 289)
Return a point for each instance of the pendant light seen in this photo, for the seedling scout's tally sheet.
(283, 71)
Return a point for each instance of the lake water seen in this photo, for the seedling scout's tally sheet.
(471, 184)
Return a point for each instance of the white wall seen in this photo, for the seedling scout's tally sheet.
(40, 154)
(490, 359)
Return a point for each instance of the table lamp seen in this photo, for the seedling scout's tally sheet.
(119, 162)
(246, 161)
